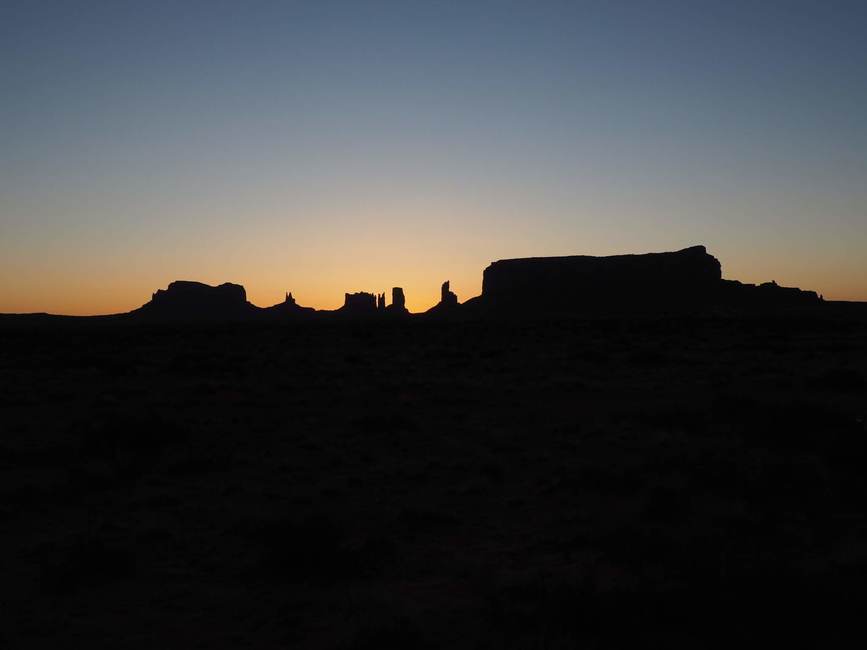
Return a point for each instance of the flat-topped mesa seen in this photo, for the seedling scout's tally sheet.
(679, 280)
(187, 290)
(360, 302)
(186, 300)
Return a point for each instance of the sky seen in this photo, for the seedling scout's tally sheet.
(326, 147)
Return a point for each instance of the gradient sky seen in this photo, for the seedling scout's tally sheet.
(323, 147)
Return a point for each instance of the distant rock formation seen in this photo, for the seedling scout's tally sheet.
(398, 302)
(286, 310)
(685, 281)
(360, 303)
(186, 292)
(448, 304)
(768, 295)
(651, 282)
(447, 297)
(186, 300)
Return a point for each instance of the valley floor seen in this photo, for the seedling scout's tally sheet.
(416, 485)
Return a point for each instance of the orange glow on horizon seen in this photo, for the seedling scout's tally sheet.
(95, 294)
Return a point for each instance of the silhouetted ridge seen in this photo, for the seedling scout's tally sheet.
(184, 300)
(579, 284)
(768, 295)
(687, 281)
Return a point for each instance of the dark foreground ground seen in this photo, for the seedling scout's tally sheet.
(588, 484)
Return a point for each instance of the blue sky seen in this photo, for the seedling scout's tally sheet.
(325, 147)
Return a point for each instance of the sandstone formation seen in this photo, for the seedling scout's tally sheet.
(768, 295)
(681, 280)
(447, 297)
(685, 281)
(185, 300)
(361, 302)
(398, 302)
(447, 306)
(286, 310)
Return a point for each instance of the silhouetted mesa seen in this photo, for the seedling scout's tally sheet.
(185, 300)
(361, 303)
(685, 279)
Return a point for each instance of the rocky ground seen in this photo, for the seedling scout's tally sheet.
(672, 483)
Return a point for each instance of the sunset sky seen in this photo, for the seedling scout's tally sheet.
(325, 147)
